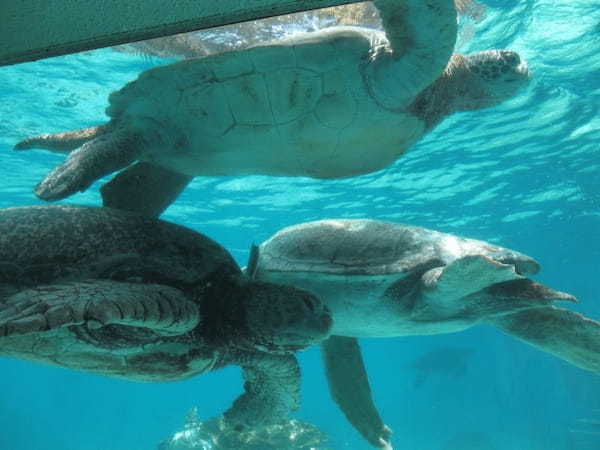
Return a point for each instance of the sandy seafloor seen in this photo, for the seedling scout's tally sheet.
(524, 174)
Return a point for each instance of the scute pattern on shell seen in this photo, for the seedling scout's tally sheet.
(368, 247)
(279, 82)
(50, 243)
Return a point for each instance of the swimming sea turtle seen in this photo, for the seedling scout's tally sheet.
(383, 279)
(336, 103)
(122, 295)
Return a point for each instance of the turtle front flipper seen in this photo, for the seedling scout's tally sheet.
(421, 37)
(62, 142)
(475, 288)
(350, 389)
(94, 159)
(144, 188)
(272, 389)
(97, 303)
(462, 277)
(565, 334)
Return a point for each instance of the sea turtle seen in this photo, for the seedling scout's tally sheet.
(123, 295)
(336, 103)
(384, 279)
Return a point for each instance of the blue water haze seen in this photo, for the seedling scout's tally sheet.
(524, 174)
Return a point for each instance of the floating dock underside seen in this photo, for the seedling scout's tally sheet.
(36, 29)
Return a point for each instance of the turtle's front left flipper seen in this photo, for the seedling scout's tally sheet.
(350, 389)
(271, 389)
(97, 303)
(565, 334)
(144, 188)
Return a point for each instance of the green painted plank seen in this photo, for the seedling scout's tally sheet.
(36, 29)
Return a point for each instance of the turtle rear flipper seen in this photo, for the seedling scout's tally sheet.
(94, 159)
(62, 142)
(565, 334)
(97, 303)
(349, 387)
(271, 389)
(144, 188)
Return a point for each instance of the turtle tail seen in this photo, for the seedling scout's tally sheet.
(62, 142)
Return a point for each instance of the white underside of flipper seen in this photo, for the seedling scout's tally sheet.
(464, 276)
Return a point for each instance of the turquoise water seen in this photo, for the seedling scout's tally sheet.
(523, 174)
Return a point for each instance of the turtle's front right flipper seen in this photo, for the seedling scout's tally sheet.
(421, 36)
(94, 159)
(96, 303)
(349, 387)
(144, 188)
(563, 333)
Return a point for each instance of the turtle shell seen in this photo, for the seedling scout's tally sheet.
(373, 248)
(50, 244)
(304, 96)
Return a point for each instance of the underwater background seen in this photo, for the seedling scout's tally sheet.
(524, 175)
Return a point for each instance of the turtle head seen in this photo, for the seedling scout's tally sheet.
(491, 77)
(281, 319)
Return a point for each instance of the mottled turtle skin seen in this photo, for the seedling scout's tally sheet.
(122, 295)
(384, 279)
(336, 103)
